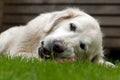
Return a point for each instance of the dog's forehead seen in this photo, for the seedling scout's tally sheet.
(85, 21)
(86, 24)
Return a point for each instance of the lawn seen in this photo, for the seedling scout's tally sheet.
(22, 69)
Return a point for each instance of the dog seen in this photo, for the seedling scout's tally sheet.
(70, 34)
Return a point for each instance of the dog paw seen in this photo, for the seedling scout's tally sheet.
(106, 63)
(109, 64)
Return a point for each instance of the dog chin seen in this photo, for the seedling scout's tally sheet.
(65, 59)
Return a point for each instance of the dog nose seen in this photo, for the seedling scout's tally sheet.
(58, 46)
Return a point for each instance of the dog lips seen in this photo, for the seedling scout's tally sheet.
(44, 53)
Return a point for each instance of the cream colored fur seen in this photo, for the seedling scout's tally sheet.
(25, 40)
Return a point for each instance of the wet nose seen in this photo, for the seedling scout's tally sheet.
(58, 46)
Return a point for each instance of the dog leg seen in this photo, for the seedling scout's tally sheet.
(26, 56)
(99, 59)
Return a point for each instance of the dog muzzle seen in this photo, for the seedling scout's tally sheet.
(44, 53)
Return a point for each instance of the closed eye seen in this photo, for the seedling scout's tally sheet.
(72, 27)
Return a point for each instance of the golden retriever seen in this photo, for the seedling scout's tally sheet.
(67, 34)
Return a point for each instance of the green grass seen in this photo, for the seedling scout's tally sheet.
(22, 69)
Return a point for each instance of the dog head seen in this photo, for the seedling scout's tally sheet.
(71, 33)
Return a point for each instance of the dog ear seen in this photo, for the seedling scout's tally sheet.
(56, 17)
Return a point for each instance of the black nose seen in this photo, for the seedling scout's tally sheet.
(58, 46)
(82, 46)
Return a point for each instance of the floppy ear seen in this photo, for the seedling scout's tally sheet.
(57, 17)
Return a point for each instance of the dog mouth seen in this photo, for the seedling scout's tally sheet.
(55, 49)
(44, 53)
(55, 54)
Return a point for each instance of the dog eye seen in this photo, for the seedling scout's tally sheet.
(72, 27)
